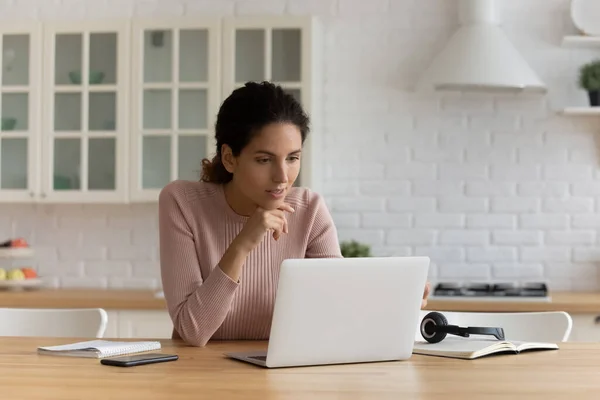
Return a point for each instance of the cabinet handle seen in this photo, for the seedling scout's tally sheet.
(43, 195)
(31, 194)
(597, 320)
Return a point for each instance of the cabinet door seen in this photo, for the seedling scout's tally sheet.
(586, 327)
(86, 120)
(19, 112)
(175, 100)
(279, 50)
(144, 324)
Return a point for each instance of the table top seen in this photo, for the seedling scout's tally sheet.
(571, 372)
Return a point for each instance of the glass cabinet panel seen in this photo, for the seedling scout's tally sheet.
(296, 93)
(13, 163)
(15, 112)
(249, 55)
(102, 111)
(67, 112)
(68, 59)
(192, 109)
(15, 60)
(158, 59)
(191, 151)
(286, 54)
(67, 164)
(103, 58)
(157, 109)
(102, 163)
(156, 161)
(193, 55)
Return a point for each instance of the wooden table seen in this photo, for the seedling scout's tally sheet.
(569, 373)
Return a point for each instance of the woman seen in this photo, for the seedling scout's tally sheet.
(222, 239)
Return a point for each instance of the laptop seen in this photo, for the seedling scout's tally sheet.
(343, 310)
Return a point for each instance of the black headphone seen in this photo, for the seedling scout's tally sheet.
(434, 328)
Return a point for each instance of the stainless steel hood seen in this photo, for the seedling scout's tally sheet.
(479, 57)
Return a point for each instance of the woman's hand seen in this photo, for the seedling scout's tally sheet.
(426, 294)
(251, 235)
(263, 221)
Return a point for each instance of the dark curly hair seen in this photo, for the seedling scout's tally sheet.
(243, 114)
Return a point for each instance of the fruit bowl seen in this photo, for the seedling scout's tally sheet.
(15, 248)
(25, 284)
(19, 279)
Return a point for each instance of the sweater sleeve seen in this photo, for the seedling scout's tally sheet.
(323, 239)
(197, 305)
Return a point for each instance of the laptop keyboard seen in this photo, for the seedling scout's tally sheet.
(261, 358)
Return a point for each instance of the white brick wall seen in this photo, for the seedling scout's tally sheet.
(491, 186)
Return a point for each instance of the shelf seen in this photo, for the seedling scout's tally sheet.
(581, 41)
(581, 111)
(16, 253)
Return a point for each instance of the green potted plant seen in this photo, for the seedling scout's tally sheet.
(353, 248)
(589, 80)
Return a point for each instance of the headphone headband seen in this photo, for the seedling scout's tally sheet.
(434, 328)
(498, 333)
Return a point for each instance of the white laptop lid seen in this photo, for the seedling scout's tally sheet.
(346, 310)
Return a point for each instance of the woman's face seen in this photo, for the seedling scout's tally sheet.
(268, 166)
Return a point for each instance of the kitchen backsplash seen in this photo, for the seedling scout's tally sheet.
(75, 245)
(490, 186)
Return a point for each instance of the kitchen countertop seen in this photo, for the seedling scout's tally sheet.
(109, 299)
(571, 302)
(117, 299)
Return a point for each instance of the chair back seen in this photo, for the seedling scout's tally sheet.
(82, 322)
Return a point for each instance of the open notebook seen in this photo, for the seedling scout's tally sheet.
(473, 348)
(98, 348)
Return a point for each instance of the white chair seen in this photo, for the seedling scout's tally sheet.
(551, 326)
(81, 322)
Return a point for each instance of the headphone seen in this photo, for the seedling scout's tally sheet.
(434, 328)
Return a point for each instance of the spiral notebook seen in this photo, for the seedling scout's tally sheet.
(98, 348)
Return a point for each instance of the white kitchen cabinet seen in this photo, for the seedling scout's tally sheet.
(85, 124)
(586, 327)
(175, 98)
(139, 324)
(145, 324)
(111, 111)
(283, 50)
(20, 79)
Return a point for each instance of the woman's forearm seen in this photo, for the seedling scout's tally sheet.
(234, 258)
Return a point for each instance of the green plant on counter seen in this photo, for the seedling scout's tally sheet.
(355, 249)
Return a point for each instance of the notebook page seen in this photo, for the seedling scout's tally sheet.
(456, 345)
(91, 344)
(105, 347)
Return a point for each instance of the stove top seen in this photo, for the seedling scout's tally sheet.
(492, 291)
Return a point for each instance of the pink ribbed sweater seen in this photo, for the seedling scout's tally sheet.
(196, 227)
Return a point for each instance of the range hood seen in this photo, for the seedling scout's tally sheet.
(479, 57)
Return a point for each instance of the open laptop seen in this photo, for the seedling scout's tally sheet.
(343, 310)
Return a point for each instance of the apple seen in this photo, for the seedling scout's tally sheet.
(29, 273)
(19, 242)
(15, 274)
(2, 274)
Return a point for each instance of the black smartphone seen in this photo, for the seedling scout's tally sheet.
(139, 359)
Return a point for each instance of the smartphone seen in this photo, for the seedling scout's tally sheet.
(139, 359)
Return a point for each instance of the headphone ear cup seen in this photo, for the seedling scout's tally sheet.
(428, 325)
